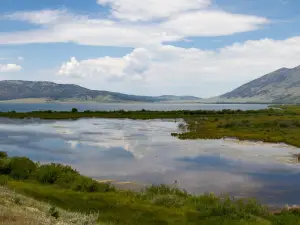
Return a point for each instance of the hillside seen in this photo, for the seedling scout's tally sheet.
(280, 86)
(11, 90)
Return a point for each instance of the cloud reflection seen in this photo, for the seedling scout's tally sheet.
(144, 151)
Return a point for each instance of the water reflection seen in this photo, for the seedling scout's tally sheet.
(145, 152)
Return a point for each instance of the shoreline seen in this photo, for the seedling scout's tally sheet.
(50, 101)
(265, 125)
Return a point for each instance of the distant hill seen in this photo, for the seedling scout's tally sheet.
(17, 89)
(178, 98)
(280, 86)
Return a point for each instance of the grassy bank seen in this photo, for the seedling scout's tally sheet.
(142, 114)
(69, 199)
(280, 125)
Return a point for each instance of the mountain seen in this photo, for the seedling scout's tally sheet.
(178, 98)
(280, 86)
(17, 89)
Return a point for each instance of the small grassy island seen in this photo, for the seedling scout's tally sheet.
(277, 124)
(58, 194)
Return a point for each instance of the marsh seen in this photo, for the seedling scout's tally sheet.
(146, 153)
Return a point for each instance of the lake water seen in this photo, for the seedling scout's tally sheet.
(26, 107)
(145, 152)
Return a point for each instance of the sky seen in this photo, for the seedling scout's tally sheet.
(202, 48)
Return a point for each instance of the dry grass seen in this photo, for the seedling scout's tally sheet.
(16, 209)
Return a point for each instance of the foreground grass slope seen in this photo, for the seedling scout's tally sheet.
(84, 201)
(16, 209)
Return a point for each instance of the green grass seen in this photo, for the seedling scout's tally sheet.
(156, 205)
(276, 127)
(142, 114)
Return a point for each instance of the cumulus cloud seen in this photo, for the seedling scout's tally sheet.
(7, 68)
(145, 10)
(192, 71)
(131, 66)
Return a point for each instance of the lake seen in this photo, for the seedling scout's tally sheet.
(146, 153)
(27, 107)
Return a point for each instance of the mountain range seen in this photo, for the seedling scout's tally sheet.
(49, 91)
(280, 86)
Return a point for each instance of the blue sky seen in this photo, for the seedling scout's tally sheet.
(151, 47)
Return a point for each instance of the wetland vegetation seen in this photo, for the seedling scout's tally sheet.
(67, 194)
(58, 192)
(277, 124)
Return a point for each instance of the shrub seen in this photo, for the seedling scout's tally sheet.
(16, 200)
(53, 212)
(4, 166)
(86, 184)
(68, 178)
(49, 174)
(3, 155)
(165, 190)
(168, 201)
(74, 110)
(20, 167)
(3, 180)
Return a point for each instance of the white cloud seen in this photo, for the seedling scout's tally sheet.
(39, 17)
(145, 10)
(7, 68)
(212, 23)
(131, 66)
(170, 70)
(61, 26)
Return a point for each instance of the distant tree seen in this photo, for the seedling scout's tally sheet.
(74, 110)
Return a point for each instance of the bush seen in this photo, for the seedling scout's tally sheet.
(16, 200)
(20, 168)
(74, 110)
(4, 166)
(49, 174)
(86, 184)
(54, 212)
(3, 155)
(3, 180)
(68, 178)
(168, 201)
(165, 190)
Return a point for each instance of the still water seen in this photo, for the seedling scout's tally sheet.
(145, 152)
(27, 107)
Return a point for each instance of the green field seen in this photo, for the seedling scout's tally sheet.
(65, 189)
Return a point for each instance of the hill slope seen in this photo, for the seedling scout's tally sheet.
(11, 89)
(280, 86)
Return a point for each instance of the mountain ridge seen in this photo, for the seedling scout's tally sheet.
(280, 86)
(21, 89)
